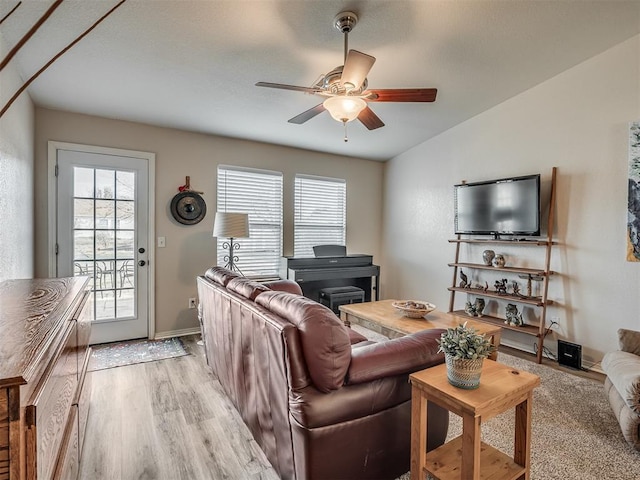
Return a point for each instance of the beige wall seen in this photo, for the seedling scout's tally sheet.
(16, 178)
(191, 249)
(577, 121)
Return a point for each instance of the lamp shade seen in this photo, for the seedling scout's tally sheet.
(343, 108)
(232, 225)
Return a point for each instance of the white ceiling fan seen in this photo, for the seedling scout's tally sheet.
(345, 88)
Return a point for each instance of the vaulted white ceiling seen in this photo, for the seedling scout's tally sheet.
(193, 65)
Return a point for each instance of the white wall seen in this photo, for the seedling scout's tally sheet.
(191, 249)
(577, 121)
(16, 178)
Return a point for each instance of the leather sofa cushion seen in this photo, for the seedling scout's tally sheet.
(325, 340)
(221, 275)
(284, 286)
(247, 288)
(395, 357)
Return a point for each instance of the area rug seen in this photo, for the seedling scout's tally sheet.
(575, 434)
(111, 355)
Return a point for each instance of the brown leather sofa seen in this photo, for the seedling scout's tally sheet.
(321, 400)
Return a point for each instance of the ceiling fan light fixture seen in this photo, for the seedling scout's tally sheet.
(344, 109)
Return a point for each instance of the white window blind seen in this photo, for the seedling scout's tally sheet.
(320, 213)
(258, 193)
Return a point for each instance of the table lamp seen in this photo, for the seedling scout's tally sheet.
(231, 225)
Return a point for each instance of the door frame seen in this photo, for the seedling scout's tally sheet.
(52, 187)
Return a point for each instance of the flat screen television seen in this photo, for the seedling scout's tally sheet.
(506, 206)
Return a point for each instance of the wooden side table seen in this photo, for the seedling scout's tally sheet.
(467, 457)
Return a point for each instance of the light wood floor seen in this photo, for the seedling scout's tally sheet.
(167, 420)
(170, 420)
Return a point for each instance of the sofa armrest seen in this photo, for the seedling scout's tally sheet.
(401, 355)
(629, 341)
(284, 286)
(314, 410)
(623, 370)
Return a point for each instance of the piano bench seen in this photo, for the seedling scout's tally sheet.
(333, 297)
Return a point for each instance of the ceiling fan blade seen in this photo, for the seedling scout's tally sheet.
(308, 115)
(370, 119)
(356, 68)
(283, 86)
(402, 95)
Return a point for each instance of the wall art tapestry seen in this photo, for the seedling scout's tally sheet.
(633, 214)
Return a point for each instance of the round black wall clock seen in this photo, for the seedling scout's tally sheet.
(188, 208)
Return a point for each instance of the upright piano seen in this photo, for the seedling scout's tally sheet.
(316, 273)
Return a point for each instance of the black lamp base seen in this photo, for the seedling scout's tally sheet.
(231, 259)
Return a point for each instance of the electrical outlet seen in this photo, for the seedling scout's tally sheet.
(192, 303)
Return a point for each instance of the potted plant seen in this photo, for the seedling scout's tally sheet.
(464, 350)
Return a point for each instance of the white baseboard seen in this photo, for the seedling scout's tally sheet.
(594, 367)
(177, 333)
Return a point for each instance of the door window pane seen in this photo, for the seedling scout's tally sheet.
(124, 244)
(83, 245)
(125, 304)
(125, 218)
(83, 182)
(105, 214)
(104, 236)
(105, 244)
(125, 185)
(84, 269)
(126, 277)
(105, 304)
(105, 183)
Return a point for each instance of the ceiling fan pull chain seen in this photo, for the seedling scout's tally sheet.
(346, 139)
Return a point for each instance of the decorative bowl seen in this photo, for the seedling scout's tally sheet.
(413, 308)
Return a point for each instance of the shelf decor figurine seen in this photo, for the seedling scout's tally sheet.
(487, 257)
(501, 286)
(498, 261)
(464, 281)
(464, 351)
(514, 317)
(475, 309)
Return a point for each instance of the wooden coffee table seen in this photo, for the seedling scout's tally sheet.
(467, 457)
(383, 318)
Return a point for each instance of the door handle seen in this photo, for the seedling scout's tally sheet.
(142, 263)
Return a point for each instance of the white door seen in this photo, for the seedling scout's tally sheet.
(103, 232)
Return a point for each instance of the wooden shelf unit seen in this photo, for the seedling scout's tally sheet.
(499, 322)
(535, 301)
(515, 270)
(540, 330)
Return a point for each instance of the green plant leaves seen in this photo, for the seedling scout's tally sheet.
(463, 342)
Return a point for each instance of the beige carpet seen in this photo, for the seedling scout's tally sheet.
(575, 435)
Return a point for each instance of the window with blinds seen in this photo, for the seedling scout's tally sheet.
(319, 213)
(258, 193)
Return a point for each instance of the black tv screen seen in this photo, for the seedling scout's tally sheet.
(507, 206)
